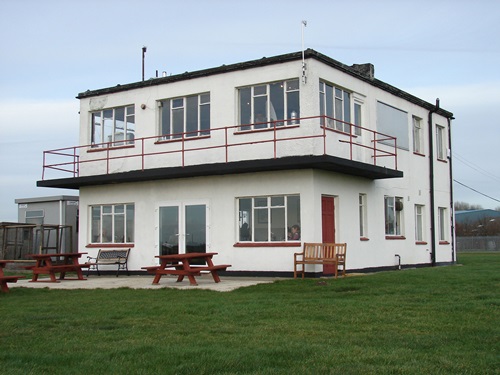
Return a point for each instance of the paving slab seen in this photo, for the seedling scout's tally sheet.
(205, 281)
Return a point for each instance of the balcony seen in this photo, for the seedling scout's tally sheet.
(317, 142)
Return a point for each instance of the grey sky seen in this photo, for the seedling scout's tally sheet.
(52, 50)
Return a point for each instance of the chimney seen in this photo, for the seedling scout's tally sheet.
(367, 70)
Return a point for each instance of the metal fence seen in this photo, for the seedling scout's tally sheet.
(478, 243)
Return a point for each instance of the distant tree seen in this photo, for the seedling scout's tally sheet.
(464, 206)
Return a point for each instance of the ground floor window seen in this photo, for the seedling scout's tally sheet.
(269, 218)
(419, 223)
(112, 223)
(442, 222)
(393, 216)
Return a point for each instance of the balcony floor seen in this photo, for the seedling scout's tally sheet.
(323, 162)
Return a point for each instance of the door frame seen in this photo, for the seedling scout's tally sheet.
(181, 205)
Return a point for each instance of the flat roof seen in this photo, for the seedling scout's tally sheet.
(53, 198)
(308, 54)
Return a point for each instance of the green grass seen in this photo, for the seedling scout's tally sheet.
(441, 320)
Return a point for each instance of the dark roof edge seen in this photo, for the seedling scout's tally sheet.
(309, 53)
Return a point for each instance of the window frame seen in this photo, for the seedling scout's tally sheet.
(394, 217)
(259, 214)
(181, 107)
(418, 136)
(441, 149)
(339, 96)
(363, 216)
(127, 132)
(420, 223)
(442, 225)
(250, 98)
(112, 216)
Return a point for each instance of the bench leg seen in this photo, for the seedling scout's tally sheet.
(4, 286)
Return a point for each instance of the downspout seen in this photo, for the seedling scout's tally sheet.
(431, 183)
(453, 251)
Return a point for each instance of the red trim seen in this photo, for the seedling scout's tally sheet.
(182, 139)
(239, 132)
(420, 243)
(109, 245)
(364, 239)
(101, 149)
(339, 131)
(443, 161)
(444, 243)
(418, 154)
(267, 244)
(395, 237)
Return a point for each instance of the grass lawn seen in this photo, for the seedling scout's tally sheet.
(443, 320)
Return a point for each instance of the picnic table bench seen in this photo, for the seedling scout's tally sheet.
(320, 253)
(180, 265)
(50, 264)
(7, 279)
(107, 257)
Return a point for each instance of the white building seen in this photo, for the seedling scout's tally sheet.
(229, 159)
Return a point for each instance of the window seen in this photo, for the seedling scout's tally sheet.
(188, 116)
(362, 215)
(111, 127)
(442, 223)
(393, 216)
(267, 105)
(358, 119)
(269, 219)
(35, 217)
(418, 139)
(419, 223)
(112, 223)
(394, 122)
(335, 104)
(440, 143)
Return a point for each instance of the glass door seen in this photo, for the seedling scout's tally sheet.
(182, 228)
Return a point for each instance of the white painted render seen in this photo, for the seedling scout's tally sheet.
(220, 193)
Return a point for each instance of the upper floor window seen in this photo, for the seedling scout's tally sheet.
(113, 126)
(393, 216)
(187, 116)
(418, 137)
(335, 104)
(440, 142)
(269, 218)
(112, 223)
(268, 105)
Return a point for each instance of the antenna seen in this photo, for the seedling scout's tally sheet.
(304, 77)
(144, 49)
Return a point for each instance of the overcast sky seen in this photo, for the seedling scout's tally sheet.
(53, 50)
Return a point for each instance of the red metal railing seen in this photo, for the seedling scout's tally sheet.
(69, 160)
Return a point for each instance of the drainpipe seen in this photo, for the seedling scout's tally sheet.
(431, 182)
(453, 252)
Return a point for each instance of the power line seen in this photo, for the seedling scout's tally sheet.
(475, 167)
(468, 187)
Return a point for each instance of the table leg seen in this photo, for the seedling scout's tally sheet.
(215, 273)
(186, 267)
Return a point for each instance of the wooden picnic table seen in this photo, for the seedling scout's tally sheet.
(6, 279)
(50, 264)
(180, 265)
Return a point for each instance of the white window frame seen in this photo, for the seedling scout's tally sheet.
(99, 214)
(171, 109)
(116, 135)
(418, 135)
(440, 142)
(260, 216)
(393, 213)
(420, 223)
(247, 117)
(363, 216)
(442, 224)
(339, 115)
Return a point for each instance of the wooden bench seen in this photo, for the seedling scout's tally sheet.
(320, 253)
(107, 257)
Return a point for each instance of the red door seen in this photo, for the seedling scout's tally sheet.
(328, 225)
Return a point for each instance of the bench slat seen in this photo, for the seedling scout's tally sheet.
(321, 253)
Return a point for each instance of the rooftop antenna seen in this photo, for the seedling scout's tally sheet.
(304, 78)
(144, 49)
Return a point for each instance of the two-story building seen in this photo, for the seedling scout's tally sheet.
(252, 159)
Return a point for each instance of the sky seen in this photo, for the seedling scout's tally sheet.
(52, 50)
